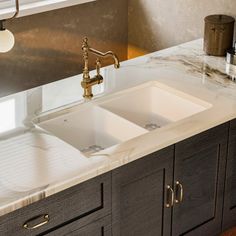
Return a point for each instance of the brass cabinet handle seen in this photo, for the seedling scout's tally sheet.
(179, 195)
(169, 197)
(45, 219)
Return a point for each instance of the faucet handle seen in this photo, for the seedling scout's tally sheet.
(98, 77)
(98, 66)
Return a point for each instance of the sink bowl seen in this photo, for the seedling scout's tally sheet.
(155, 105)
(92, 129)
(100, 125)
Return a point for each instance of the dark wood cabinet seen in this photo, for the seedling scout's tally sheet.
(188, 189)
(229, 217)
(199, 173)
(83, 203)
(101, 227)
(139, 196)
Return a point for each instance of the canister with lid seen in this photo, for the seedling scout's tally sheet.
(218, 35)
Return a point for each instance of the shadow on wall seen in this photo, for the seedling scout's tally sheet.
(48, 45)
(158, 24)
(138, 44)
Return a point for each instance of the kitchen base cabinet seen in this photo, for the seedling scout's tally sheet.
(83, 204)
(199, 183)
(188, 189)
(229, 217)
(139, 195)
(100, 227)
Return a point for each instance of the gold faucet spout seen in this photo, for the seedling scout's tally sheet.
(88, 82)
(106, 54)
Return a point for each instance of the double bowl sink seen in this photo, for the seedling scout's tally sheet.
(99, 125)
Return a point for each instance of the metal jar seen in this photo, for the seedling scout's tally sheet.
(218, 35)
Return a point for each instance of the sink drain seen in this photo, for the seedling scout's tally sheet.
(92, 149)
(152, 126)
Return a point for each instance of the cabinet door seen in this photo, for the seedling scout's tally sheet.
(100, 227)
(200, 168)
(139, 196)
(229, 219)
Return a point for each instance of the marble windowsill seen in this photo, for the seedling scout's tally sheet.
(34, 165)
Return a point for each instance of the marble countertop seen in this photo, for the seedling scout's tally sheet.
(35, 165)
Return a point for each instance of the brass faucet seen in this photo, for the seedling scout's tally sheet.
(88, 82)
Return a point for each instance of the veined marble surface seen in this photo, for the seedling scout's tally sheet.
(35, 164)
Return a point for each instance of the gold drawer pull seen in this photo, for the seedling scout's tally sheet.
(179, 192)
(169, 197)
(45, 221)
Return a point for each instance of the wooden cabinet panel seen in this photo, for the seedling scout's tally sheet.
(229, 218)
(200, 168)
(101, 227)
(139, 194)
(85, 202)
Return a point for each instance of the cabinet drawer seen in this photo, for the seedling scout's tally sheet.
(101, 227)
(83, 203)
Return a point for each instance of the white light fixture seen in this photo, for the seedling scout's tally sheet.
(7, 39)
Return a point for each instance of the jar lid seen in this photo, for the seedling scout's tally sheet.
(219, 19)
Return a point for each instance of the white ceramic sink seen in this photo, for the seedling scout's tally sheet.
(92, 129)
(155, 105)
(97, 126)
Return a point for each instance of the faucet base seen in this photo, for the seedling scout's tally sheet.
(87, 85)
(88, 93)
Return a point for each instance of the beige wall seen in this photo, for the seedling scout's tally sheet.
(158, 24)
(48, 45)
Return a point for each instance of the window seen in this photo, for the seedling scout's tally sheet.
(12, 113)
(7, 117)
